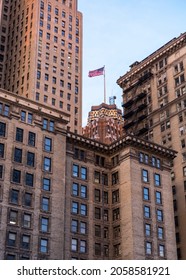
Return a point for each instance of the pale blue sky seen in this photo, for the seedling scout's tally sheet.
(118, 32)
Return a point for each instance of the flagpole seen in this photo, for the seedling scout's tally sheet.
(104, 86)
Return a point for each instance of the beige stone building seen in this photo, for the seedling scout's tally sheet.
(154, 104)
(41, 54)
(64, 196)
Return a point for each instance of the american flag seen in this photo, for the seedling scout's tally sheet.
(96, 72)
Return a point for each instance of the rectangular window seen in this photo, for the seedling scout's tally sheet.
(1, 171)
(75, 207)
(13, 217)
(25, 242)
(158, 197)
(19, 134)
(44, 224)
(83, 173)
(46, 184)
(160, 233)
(116, 214)
(146, 195)
(26, 220)
(83, 246)
(45, 204)
(145, 176)
(47, 164)
(14, 196)
(159, 215)
(2, 129)
(96, 177)
(30, 159)
(43, 245)
(16, 176)
(18, 155)
(31, 138)
(83, 227)
(97, 195)
(83, 191)
(147, 230)
(83, 209)
(157, 181)
(161, 249)
(11, 239)
(115, 178)
(148, 248)
(48, 144)
(75, 172)
(2, 149)
(28, 199)
(97, 249)
(115, 196)
(74, 226)
(29, 179)
(74, 244)
(97, 214)
(147, 211)
(97, 230)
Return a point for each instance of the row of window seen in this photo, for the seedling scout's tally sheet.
(146, 195)
(27, 199)
(147, 213)
(25, 242)
(144, 158)
(149, 231)
(145, 178)
(149, 249)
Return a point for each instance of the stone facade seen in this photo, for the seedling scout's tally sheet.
(41, 54)
(155, 108)
(64, 196)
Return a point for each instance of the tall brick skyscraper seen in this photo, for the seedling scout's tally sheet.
(154, 101)
(41, 53)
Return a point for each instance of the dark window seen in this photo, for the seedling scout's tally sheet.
(97, 177)
(14, 196)
(16, 176)
(1, 171)
(97, 195)
(97, 230)
(115, 196)
(105, 179)
(13, 217)
(19, 134)
(26, 220)
(18, 155)
(97, 213)
(30, 159)
(28, 199)
(11, 239)
(116, 214)
(97, 249)
(115, 178)
(31, 138)
(2, 149)
(29, 179)
(25, 242)
(2, 129)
